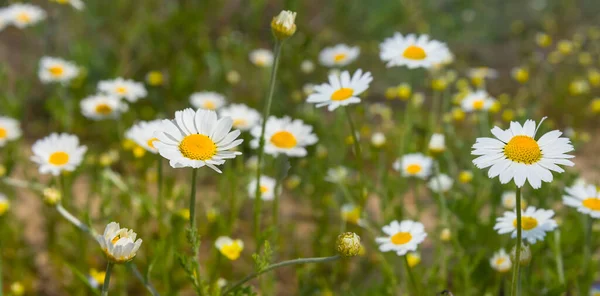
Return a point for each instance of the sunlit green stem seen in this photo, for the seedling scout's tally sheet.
(261, 141)
(63, 212)
(517, 263)
(278, 265)
(109, 268)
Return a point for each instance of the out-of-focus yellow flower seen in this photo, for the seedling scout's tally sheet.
(4, 204)
(17, 289)
(404, 91)
(458, 114)
(108, 158)
(212, 214)
(465, 177)
(504, 99)
(593, 76)
(292, 182)
(565, 47)
(413, 259)
(543, 39)
(2, 170)
(184, 214)
(349, 140)
(579, 87)
(555, 57)
(439, 84)
(463, 85)
(508, 115)
(520, 74)
(585, 58)
(128, 144)
(97, 276)
(595, 105)
(139, 151)
(351, 213)
(445, 235)
(229, 248)
(391, 93)
(155, 78)
(495, 108)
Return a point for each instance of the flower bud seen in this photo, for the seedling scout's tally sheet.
(283, 25)
(155, 78)
(445, 235)
(525, 258)
(378, 140)
(52, 196)
(348, 244)
(437, 144)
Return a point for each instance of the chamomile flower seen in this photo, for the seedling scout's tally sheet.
(337, 175)
(230, 248)
(585, 198)
(341, 90)
(196, 139)
(534, 223)
(261, 57)
(478, 100)
(267, 188)
(244, 118)
(285, 136)
(56, 70)
(441, 183)
(98, 107)
(58, 152)
(207, 100)
(401, 237)
(23, 15)
(142, 133)
(119, 244)
(339, 55)
(77, 4)
(413, 51)
(501, 261)
(10, 130)
(515, 154)
(414, 165)
(127, 89)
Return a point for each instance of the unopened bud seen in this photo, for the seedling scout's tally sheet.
(283, 25)
(348, 244)
(51, 196)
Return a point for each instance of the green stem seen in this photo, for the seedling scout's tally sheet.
(586, 253)
(193, 201)
(63, 212)
(443, 203)
(411, 276)
(407, 127)
(109, 268)
(558, 255)
(261, 141)
(359, 159)
(517, 262)
(141, 278)
(278, 265)
(159, 198)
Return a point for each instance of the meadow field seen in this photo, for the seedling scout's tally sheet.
(299, 147)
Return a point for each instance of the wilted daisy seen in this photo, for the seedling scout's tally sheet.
(142, 133)
(10, 130)
(261, 57)
(515, 154)
(441, 183)
(23, 15)
(229, 248)
(267, 188)
(4, 204)
(207, 100)
(102, 106)
(402, 237)
(196, 139)
(285, 136)
(414, 165)
(501, 261)
(585, 198)
(58, 152)
(244, 118)
(77, 4)
(341, 90)
(478, 100)
(412, 51)
(119, 244)
(339, 55)
(534, 223)
(123, 88)
(337, 175)
(57, 70)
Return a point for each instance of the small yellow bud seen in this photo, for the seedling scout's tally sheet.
(292, 182)
(595, 106)
(585, 59)
(594, 77)
(520, 74)
(439, 84)
(139, 152)
(155, 78)
(283, 25)
(543, 39)
(212, 214)
(495, 108)
(565, 47)
(97, 276)
(2, 170)
(465, 177)
(463, 85)
(348, 244)
(128, 144)
(508, 115)
(233, 77)
(51, 196)
(458, 114)
(579, 87)
(404, 91)
(390, 93)
(184, 214)
(4, 205)
(17, 289)
(413, 259)
(445, 235)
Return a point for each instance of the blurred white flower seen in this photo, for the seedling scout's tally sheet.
(440, 183)
(412, 51)
(337, 175)
(244, 118)
(142, 133)
(307, 66)
(378, 139)
(401, 237)
(267, 188)
(261, 57)
(414, 165)
(98, 107)
(56, 70)
(534, 223)
(501, 261)
(341, 90)
(58, 152)
(207, 100)
(339, 55)
(123, 88)
(478, 100)
(23, 15)
(10, 130)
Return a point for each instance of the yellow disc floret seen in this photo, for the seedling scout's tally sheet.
(198, 147)
(523, 149)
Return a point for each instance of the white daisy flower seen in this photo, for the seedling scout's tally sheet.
(98, 107)
(337, 175)
(22, 15)
(443, 182)
(207, 100)
(413, 51)
(230, 248)
(77, 4)
(339, 55)
(142, 133)
(585, 198)
(261, 57)
(244, 118)
(123, 88)
(4, 18)
(341, 90)
(10, 130)
(57, 70)
(509, 199)
(58, 152)
(267, 188)
(515, 154)
(119, 244)
(285, 136)
(402, 237)
(414, 165)
(478, 100)
(196, 139)
(501, 261)
(534, 224)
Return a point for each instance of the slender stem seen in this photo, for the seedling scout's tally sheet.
(407, 127)
(359, 159)
(261, 141)
(586, 253)
(63, 189)
(558, 255)
(517, 263)
(159, 199)
(443, 204)
(141, 278)
(109, 268)
(278, 265)
(63, 212)
(411, 276)
(193, 200)
(278, 182)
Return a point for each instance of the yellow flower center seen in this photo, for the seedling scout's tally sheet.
(24, 17)
(115, 239)
(340, 57)
(98, 276)
(3, 133)
(58, 158)
(56, 71)
(198, 147)
(527, 223)
(103, 109)
(401, 238)
(121, 90)
(151, 143)
(414, 52)
(592, 203)
(414, 169)
(263, 189)
(523, 149)
(478, 105)
(239, 122)
(232, 251)
(499, 261)
(209, 105)
(284, 139)
(342, 94)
